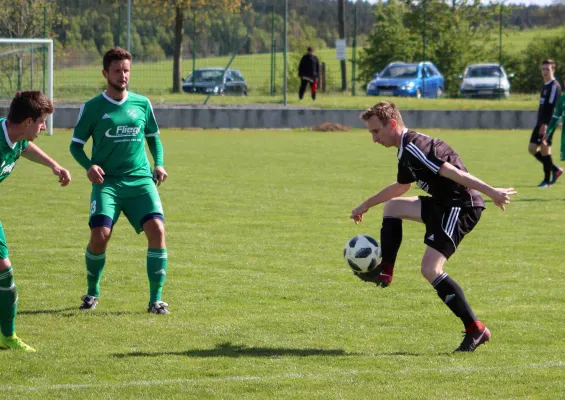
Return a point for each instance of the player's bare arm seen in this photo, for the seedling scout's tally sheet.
(499, 196)
(35, 154)
(390, 192)
(160, 175)
(95, 174)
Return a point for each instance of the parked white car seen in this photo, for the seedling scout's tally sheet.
(485, 80)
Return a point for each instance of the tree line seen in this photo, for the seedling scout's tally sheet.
(451, 33)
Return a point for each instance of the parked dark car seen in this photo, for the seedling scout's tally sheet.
(215, 81)
(407, 79)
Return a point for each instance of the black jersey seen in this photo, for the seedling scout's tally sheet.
(550, 93)
(419, 160)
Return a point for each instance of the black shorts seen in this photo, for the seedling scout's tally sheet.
(536, 138)
(447, 226)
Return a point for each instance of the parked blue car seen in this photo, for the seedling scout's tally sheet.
(407, 79)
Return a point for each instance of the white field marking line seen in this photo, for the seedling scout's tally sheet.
(70, 386)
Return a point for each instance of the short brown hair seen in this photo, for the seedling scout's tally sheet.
(384, 111)
(549, 62)
(115, 54)
(29, 104)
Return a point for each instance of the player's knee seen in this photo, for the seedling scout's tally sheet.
(154, 227)
(430, 271)
(99, 238)
(5, 263)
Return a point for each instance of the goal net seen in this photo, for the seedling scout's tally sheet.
(26, 64)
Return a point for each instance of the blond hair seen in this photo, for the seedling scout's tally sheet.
(384, 111)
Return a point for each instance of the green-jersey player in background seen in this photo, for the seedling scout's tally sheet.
(558, 114)
(26, 119)
(119, 122)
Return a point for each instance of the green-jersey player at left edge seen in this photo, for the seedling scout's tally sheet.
(26, 119)
(119, 122)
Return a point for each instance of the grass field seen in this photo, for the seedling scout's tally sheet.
(262, 304)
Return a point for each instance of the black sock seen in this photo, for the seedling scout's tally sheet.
(547, 164)
(452, 295)
(538, 157)
(391, 238)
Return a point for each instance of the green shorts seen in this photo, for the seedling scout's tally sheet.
(136, 197)
(3, 245)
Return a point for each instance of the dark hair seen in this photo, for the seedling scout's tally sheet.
(550, 62)
(30, 104)
(384, 111)
(115, 54)
(309, 49)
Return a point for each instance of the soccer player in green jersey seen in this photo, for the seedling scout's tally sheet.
(26, 119)
(558, 114)
(119, 122)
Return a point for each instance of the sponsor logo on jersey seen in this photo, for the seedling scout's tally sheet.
(123, 130)
(7, 169)
(105, 116)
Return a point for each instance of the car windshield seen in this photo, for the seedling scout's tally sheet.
(400, 71)
(207, 75)
(483, 72)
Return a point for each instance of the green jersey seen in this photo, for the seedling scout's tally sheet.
(118, 129)
(9, 152)
(557, 114)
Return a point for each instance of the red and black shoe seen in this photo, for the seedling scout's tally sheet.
(555, 175)
(381, 275)
(475, 335)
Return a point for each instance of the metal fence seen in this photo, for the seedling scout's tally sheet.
(264, 41)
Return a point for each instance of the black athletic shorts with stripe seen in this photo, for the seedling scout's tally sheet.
(447, 226)
(536, 138)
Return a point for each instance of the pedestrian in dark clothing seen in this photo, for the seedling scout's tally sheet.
(309, 71)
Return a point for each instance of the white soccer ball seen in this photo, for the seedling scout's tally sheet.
(362, 253)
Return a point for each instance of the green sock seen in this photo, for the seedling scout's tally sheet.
(8, 302)
(156, 272)
(94, 266)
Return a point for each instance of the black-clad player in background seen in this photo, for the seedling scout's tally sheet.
(540, 143)
(451, 210)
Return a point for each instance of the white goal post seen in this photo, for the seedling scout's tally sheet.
(49, 43)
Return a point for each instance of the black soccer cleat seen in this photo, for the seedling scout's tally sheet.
(473, 340)
(88, 302)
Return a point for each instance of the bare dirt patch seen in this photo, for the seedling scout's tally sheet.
(331, 127)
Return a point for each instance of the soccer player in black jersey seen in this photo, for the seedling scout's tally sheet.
(451, 210)
(540, 142)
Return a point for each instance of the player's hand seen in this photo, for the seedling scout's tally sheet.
(63, 174)
(95, 174)
(160, 175)
(543, 134)
(501, 196)
(357, 213)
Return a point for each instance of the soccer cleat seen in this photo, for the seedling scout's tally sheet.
(88, 302)
(544, 184)
(556, 174)
(159, 307)
(474, 339)
(381, 275)
(14, 343)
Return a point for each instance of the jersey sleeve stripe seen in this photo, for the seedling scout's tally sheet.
(79, 141)
(553, 93)
(153, 134)
(80, 112)
(416, 152)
